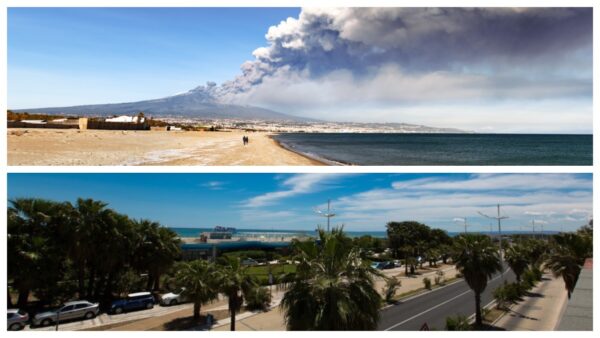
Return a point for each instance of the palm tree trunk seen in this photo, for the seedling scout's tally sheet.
(478, 319)
(157, 282)
(90, 286)
(23, 297)
(9, 300)
(197, 307)
(150, 281)
(232, 310)
(81, 280)
(232, 324)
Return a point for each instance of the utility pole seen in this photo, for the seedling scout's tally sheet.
(327, 214)
(464, 219)
(499, 219)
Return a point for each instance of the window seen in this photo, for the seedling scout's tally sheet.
(67, 308)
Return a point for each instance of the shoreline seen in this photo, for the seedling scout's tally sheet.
(315, 159)
(312, 157)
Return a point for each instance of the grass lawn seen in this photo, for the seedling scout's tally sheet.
(263, 270)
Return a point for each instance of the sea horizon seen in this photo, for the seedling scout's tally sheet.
(195, 232)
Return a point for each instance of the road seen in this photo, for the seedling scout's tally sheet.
(433, 307)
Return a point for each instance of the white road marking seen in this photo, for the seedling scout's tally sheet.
(438, 305)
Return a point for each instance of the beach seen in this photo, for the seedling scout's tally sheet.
(116, 147)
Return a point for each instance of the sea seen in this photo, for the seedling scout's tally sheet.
(442, 149)
(195, 232)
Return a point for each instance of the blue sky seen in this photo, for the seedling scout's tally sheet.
(521, 70)
(69, 56)
(363, 202)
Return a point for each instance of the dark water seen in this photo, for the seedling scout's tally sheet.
(443, 149)
(195, 232)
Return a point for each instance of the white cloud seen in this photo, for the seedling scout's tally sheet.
(214, 185)
(295, 185)
(497, 181)
(437, 201)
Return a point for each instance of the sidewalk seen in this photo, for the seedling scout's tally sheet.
(540, 310)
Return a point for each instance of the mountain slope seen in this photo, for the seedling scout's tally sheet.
(196, 103)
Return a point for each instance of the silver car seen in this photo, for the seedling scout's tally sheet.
(16, 319)
(68, 311)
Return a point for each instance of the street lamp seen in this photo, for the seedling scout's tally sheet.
(464, 219)
(499, 219)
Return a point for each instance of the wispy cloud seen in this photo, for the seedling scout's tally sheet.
(522, 182)
(214, 185)
(558, 199)
(296, 185)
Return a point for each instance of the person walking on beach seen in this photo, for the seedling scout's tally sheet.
(244, 140)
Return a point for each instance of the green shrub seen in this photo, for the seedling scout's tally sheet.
(439, 278)
(458, 323)
(427, 283)
(508, 293)
(391, 286)
(537, 273)
(259, 298)
(529, 279)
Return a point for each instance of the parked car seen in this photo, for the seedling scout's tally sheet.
(388, 265)
(249, 262)
(383, 265)
(16, 319)
(173, 298)
(134, 301)
(67, 311)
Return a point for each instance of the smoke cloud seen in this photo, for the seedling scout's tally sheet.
(341, 61)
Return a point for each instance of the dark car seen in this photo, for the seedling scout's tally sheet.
(134, 301)
(388, 265)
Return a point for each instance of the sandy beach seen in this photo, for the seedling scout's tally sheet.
(110, 147)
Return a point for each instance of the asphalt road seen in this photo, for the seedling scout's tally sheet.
(433, 307)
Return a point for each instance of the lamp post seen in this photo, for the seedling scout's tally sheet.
(328, 214)
(499, 219)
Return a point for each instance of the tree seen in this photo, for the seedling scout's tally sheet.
(36, 258)
(517, 258)
(478, 260)
(156, 250)
(567, 257)
(199, 279)
(234, 282)
(59, 251)
(332, 287)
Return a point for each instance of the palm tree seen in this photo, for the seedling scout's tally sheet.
(235, 282)
(517, 258)
(567, 257)
(332, 288)
(477, 260)
(199, 278)
(36, 260)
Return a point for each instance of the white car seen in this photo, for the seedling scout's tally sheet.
(173, 298)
